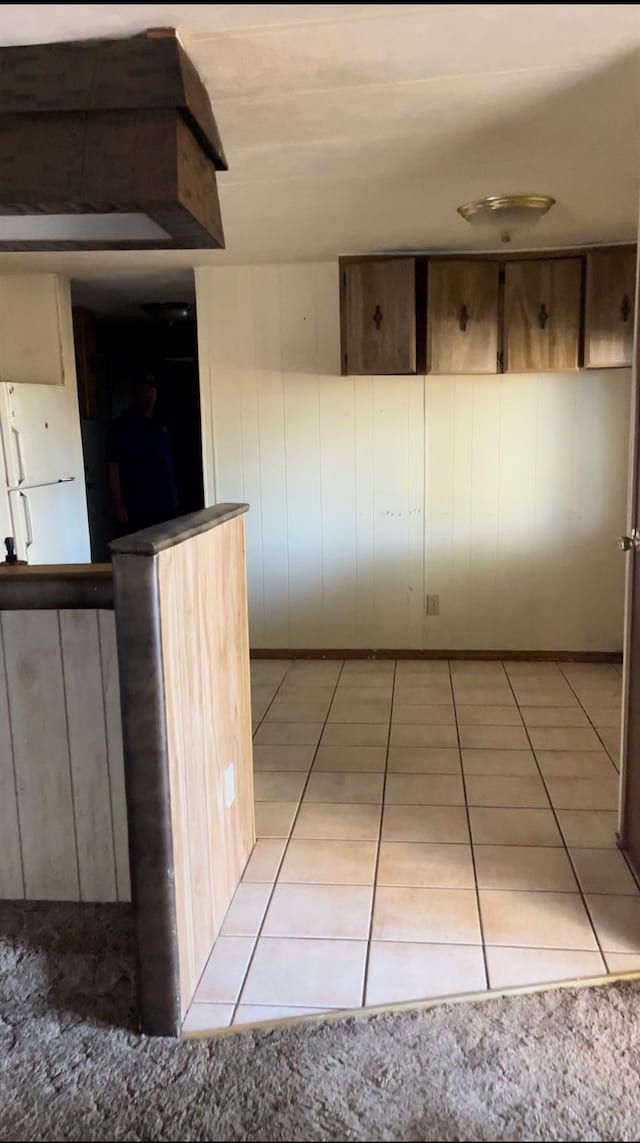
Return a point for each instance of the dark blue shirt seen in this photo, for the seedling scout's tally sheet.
(141, 447)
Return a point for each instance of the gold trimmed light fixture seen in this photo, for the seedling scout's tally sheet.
(504, 215)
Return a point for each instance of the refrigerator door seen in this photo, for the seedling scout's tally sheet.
(47, 526)
(6, 522)
(41, 431)
(7, 456)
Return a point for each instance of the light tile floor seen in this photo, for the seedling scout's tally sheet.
(424, 829)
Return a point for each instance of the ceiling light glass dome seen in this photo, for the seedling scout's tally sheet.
(502, 216)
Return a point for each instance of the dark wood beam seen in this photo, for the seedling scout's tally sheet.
(150, 71)
(76, 162)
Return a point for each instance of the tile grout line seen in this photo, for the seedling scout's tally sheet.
(471, 844)
(590, 721)
(253, 734)
(557, 821)
(234, 1004)
(618, 772)
(270, 704)
(287, 842)
(365, 979)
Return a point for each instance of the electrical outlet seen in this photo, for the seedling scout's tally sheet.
(433, 605)
(229, 786)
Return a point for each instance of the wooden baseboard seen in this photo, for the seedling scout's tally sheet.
(349, 653)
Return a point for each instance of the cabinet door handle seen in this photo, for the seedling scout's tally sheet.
(377, 317)
(625, 308)
(464, 318)
(543, 316)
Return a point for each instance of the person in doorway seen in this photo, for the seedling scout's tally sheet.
(140, 465)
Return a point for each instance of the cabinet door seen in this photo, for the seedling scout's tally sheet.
(542, 314)
(379, 316)
(611, 281)
(84, 340)
(462, 317)
(31, 350)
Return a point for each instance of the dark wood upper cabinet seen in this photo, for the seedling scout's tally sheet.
(462, 317)
(542, 314)
(379, 316)
(610, 298)
(84, 338)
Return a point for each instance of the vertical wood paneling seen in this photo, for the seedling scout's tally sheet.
(205, 652)
(263, 283)
(559, 552)
(502, 496)
(485, 484)
(11, 876)
(88, 754)
(338, 512)
(365, 551)
(439, 446)
(599, 507)
(249, 413)
(415, 517)
(62, 800)
(518, 444)
(113, 726)
(337, 413)
(41, 751)
(298, 320)
(459, 606)
(398, 467)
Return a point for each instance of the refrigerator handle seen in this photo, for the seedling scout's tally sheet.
(21, 466)
(27, 519)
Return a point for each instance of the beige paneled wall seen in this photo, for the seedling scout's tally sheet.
(62, 801)
(504, 495)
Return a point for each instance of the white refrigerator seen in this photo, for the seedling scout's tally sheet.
(42, 483)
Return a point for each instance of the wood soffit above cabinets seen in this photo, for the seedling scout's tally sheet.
(109, 127)
(540, 311)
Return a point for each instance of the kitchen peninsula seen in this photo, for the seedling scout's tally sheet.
(125, 740)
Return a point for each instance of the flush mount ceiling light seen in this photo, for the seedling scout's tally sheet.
(107, 145)
(168, 311)
(505, 215)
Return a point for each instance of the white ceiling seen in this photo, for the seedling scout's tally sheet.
(362, 127)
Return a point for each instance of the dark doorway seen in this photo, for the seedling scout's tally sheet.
(111, 354)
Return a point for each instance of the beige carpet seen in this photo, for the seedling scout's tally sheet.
(558, 1065)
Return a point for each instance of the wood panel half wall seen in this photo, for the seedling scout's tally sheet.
(183, 648)
(63, 823)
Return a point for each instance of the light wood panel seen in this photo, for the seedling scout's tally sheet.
(464, 460)
(610, 300)
(35, 687)
(84, 697)
(60, 803)
(462, 317)
(379, 299)
(11, 873)
(113, 729)
(205, 648)
(542, 314)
